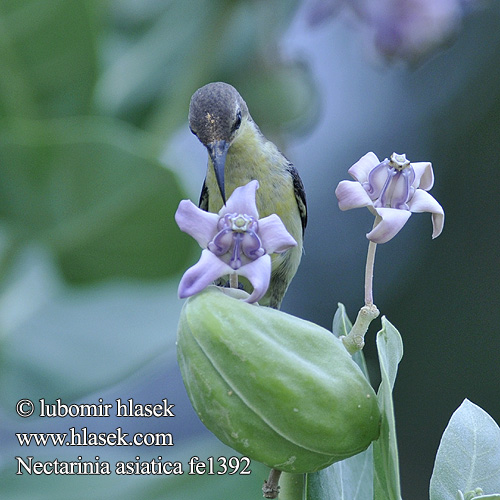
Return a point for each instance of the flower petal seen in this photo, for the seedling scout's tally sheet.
(352, 194)
(274, 236)
(379, 178)
(242, 201)
(402, 189)
(422, 201)
(364, 166)
(393, 220)
(201, 225)
(202, 274)
(258, 273)
(424, 176)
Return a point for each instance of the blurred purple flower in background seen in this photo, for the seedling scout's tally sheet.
(402, 29)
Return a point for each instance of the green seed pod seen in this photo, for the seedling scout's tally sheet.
(278, 389)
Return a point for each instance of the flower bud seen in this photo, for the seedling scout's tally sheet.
(278, 389)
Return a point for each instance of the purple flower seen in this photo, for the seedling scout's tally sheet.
(402, 29)
(391, 189)
(233, 241)
(411, 29)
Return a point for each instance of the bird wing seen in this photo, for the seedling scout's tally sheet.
(298, 187)
(300, 195)
(203, 203)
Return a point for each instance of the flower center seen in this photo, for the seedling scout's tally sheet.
(237, 241)
(399, 162)
(240, 223)
(390, 183)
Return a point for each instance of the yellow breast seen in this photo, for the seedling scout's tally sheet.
(250, 157)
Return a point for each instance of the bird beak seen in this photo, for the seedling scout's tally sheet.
(218, 152)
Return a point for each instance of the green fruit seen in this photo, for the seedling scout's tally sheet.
(278, 389)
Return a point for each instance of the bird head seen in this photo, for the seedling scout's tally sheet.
(216, 113)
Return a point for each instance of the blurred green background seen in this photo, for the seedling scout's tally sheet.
(95, 155)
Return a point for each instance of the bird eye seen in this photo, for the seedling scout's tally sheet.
(237, 122)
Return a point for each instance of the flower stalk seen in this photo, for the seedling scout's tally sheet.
(370, 263)
(355, 340)
(233, 280)
(271, 487)
(291, 486)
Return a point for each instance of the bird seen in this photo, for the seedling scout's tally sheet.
(238, 153)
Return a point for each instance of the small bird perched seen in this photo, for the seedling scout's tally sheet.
(239, 153)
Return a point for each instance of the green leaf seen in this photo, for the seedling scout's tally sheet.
(351, 478)
(341, 323)
(342, 326)
(62, 342)
(89, 189)
(468, 456)
(280, 98)
(385, 450)
(48, 60)
(185, 45)
(165, 64)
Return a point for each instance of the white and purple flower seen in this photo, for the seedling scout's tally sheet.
(233, 241)
(392, 190)
(402, 29)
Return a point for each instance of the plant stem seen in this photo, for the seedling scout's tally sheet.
(291, 486)
(370, 263)
(271, 488)
(233, 280)
(355, 340)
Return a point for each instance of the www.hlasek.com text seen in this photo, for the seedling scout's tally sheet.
(85, 438)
